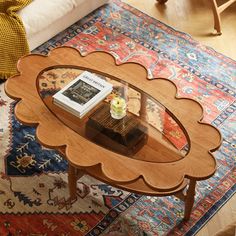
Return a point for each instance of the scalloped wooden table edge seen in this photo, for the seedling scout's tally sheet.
(199, 164)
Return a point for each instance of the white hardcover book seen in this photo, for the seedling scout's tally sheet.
(76, 113)
(83, 93)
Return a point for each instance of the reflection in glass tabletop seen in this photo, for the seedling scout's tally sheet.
(149, 132)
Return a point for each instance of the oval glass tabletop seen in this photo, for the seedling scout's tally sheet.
(149, 131)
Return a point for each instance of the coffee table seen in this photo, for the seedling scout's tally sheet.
(177, 149)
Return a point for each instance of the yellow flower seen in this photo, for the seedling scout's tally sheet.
(80, 225)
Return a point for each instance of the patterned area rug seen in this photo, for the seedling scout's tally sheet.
(34, 196)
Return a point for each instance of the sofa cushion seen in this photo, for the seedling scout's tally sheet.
(45, 18)
(41, 13)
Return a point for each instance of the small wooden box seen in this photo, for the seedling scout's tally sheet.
(125, 136)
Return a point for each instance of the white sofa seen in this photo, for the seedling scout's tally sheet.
(43, 19)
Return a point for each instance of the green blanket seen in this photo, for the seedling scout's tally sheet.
(13, 43)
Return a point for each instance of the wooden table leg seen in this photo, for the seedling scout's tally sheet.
(162, 1)
(216, 13)
(72, 180)
(143, 107)
(189, 199)
(73, 175)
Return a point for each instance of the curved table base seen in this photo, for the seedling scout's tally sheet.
(74, 174)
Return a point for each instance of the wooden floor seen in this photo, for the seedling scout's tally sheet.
(195, 17)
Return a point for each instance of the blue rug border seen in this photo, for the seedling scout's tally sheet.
(212, 211)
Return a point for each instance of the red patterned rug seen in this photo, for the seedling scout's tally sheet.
(34, 196)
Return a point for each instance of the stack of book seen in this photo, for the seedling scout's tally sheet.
(82, 94)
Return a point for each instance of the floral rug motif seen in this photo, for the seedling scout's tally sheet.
(34, 198)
